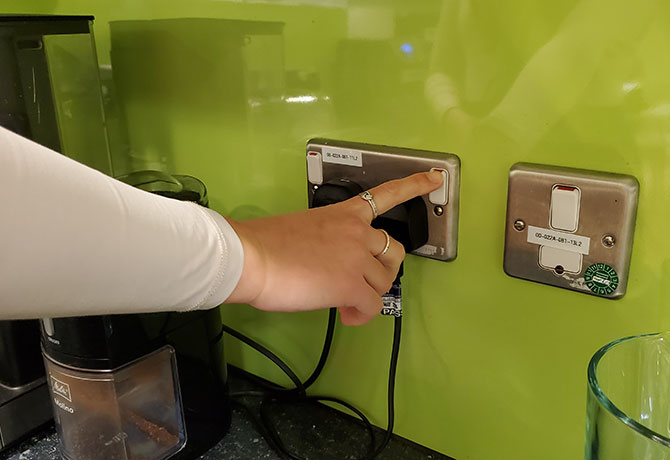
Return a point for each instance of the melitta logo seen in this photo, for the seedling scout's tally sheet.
(61, 389)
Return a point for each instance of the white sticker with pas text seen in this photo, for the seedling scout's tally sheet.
(342, 156)
(559, 240)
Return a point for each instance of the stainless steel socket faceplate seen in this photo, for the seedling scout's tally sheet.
(570, 228)
(370, 165)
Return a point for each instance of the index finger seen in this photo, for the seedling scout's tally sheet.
(390, 194)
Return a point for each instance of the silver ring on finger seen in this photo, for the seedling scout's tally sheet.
(388, 243)
(367, 196)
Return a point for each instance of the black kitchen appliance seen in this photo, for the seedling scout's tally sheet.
(122, 386)
(33, 53)
(144, 386)
(24, 399)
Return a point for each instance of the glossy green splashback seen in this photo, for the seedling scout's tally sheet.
(491, 367)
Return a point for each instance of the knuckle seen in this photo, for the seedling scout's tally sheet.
(359, 229)
(356, 205)
(401, 250)
(358, 259)
(353, 226)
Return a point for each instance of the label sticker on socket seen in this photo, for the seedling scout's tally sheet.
(342, 156)
(559, 240)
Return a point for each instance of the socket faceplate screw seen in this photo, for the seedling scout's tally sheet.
(608, 241)
(519, 225)
(438, 210)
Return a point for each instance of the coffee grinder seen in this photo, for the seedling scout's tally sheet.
(142, 386)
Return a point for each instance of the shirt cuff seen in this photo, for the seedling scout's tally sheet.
(231, 261)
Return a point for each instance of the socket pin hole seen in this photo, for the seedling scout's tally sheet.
(559, 269)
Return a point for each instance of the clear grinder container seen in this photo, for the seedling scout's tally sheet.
(130, 413)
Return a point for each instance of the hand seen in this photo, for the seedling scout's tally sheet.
(325, 257)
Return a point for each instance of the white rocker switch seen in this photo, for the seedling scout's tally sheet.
(440, 196)
(560, 260)
(565, 208)
(314, 168)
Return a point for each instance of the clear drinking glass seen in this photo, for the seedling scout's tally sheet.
(628, 402)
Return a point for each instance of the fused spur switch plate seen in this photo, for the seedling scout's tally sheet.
(329, 161)
(570, 228)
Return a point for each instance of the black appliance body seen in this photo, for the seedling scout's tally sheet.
(24, 398)
(101, 345)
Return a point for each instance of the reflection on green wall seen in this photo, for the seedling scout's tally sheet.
(77, 99)
(172, 82)
(491, 367)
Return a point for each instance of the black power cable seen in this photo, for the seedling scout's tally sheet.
(299, 386)
(395, 350)
(330, 330)
(275, 393)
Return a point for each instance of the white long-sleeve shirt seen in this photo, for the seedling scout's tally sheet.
(74, 241)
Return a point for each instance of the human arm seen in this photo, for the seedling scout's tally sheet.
(76, 242)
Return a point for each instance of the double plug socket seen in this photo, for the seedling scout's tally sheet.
(342, 169)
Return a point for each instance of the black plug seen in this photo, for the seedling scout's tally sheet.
(334, 192)
(407, 223)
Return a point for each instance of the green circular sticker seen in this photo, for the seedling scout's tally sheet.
(601, 279)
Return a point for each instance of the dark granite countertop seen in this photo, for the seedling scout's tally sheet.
(316, 431)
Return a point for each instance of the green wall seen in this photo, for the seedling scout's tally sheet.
(491, 367)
